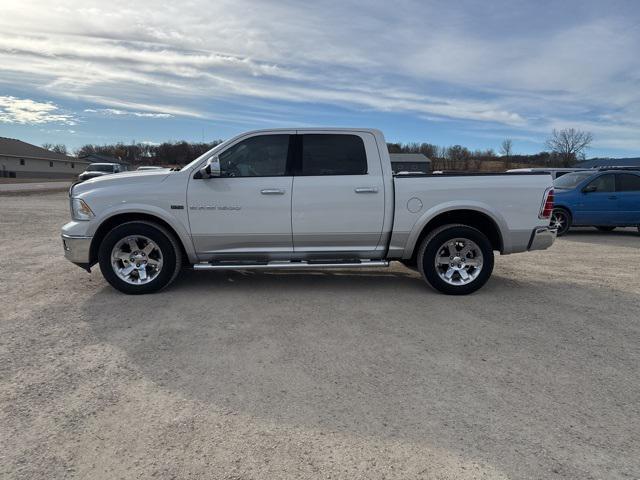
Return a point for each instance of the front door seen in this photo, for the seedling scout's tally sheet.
(338, 196)
(597, 207)
(247, 210)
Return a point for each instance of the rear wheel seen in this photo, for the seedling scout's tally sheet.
(606, 229)
(456, 259)
(561, 219)
(139, 257)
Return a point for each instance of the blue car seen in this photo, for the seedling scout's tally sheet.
(605, 198)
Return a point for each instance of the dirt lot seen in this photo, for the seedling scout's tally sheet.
(318, 375)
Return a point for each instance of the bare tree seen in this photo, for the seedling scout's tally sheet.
(569, 144)
(59, 148)
(459, 157)
(506, 149)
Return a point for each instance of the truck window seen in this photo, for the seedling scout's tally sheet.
(333, 154)
(260, 156)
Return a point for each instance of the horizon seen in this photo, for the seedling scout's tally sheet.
(87, 73)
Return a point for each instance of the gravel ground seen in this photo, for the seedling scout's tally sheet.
(351, 375)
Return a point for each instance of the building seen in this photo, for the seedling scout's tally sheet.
(101, 158)
(410, 162)
(22, 160)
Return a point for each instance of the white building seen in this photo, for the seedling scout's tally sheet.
(23, 160)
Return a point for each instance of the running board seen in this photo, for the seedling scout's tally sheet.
(279, 265)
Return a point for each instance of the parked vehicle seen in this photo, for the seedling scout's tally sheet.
(605, 198)
(554, 172)
(99, 170)
(149, 167)
(313, 198)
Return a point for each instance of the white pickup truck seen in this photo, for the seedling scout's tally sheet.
(307, 198)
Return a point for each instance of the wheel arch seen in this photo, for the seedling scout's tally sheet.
(471, 217)
(116, 219)
(563, 207)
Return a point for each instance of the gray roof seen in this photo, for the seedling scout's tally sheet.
(409, 157)
(12, 147)
(609, 162)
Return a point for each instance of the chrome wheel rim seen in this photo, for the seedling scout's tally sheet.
(136, 259)
(459, 261)
(558, 220)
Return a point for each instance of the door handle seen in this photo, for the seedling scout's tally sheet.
(613, 197)
(272, 191)
(366, 190)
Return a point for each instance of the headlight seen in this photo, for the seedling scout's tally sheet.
(80, 210)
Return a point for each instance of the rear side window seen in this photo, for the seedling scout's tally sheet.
(330, 154)
(626, 182)
(604, 183)
(571, 180)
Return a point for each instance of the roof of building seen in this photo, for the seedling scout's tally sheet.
(610, 162)
(17, 148)
(409, 157)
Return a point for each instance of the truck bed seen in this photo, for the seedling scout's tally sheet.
(510, 200)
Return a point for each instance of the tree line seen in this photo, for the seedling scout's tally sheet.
(565, 148)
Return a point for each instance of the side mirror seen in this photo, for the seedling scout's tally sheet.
(590, 189)
(211, 168)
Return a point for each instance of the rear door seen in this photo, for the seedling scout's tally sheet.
(338, 195)
(628, 193)
(598, 207)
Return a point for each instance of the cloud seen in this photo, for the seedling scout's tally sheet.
(30, 112)
(116, 112)
(508, 63)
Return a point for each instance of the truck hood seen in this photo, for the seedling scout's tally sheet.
(94, 174)
(121, 179)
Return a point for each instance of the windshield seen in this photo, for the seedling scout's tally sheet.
(571, 180)
(100, 168)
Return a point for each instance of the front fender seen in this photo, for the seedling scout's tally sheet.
(133, 208)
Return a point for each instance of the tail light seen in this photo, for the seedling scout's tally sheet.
(547, 204)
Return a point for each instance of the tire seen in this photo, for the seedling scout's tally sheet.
(561, 219)
(164, 254)
(606, 229)
(431, 249)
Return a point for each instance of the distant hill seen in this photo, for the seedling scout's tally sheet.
(609, 162)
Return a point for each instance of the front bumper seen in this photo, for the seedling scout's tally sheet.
(542, 238)
(77, 249)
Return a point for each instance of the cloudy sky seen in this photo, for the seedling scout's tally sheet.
(463, 72)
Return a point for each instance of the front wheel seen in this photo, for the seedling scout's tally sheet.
(139, 257)
(456, 259)
(561, 219)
